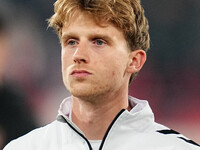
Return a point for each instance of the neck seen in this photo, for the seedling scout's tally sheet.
(93, 118)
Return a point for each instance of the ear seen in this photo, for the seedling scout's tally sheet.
(137, 59)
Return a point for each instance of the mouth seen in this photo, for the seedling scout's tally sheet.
(80, 73)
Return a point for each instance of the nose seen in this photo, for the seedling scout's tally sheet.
(81, 54)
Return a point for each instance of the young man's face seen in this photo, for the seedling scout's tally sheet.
(94, 58)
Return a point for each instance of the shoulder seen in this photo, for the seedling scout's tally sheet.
(167, 137)
(39, 136)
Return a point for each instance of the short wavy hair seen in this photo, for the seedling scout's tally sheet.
(127, 15)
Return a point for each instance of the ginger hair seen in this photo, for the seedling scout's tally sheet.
(127, 15)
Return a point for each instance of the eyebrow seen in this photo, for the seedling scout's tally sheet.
(68, 36)
(101, 36)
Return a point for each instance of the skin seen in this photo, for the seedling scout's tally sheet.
(96, 67)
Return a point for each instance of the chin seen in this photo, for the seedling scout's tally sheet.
(79, 90)
(87, 94)
(80, 93)
(87, 90)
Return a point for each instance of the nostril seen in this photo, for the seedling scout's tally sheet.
(77, 60)
(83, 60)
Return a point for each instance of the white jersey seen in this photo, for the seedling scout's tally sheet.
(130, 130)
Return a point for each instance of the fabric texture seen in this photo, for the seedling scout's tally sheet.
(135, 129)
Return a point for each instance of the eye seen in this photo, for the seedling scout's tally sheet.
(99, 42)
(71, 42)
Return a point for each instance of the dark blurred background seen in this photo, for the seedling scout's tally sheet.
(30, 66)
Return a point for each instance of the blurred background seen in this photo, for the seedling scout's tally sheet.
(31, 87)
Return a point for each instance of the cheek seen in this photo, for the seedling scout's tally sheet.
(65, 68)
(65, 61)
(118, 66)
(112, 71)
(66, 57)
(64, 64)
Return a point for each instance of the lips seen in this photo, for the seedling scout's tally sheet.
(80, 73)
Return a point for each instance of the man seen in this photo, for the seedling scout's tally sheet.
(104, 44)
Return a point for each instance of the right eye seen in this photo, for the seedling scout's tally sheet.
(71, 42)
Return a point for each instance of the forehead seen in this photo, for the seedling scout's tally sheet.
(82, 16)
(84, 20)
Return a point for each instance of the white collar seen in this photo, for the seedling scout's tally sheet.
(136, 104)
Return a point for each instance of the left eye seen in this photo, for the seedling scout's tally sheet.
(99, 42)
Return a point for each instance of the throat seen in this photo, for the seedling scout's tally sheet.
(97, 126)
(93, 126)
(94, 120)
